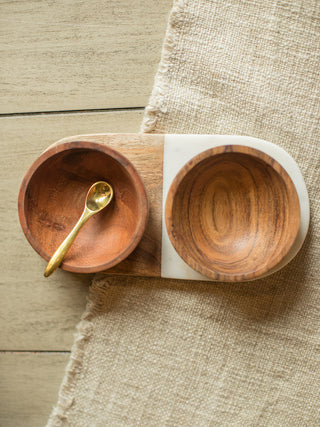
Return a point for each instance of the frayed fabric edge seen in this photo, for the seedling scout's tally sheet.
(157, 101)
(58, 417)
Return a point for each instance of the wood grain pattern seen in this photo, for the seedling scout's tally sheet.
(29, 384)
(146, 154)
(232, 213)
(76, 55)
(52, 197)
(42, 312)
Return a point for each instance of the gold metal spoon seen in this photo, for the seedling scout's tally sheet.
(98, 197)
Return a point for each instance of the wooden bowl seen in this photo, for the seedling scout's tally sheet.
(232, 213)
(52, 198)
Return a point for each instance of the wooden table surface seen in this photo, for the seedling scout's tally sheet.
(67, 67)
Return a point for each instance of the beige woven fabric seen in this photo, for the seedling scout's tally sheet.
(175, 353)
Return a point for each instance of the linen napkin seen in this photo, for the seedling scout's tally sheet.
(152, 352)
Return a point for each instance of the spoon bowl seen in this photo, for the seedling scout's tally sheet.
(99, 196)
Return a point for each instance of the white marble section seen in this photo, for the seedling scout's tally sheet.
(179, 149)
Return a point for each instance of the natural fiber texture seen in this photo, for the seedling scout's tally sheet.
(174, 353)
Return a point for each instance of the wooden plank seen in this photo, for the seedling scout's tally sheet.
(38, 313)
(77, 54)
(29, 384)
(146, 153)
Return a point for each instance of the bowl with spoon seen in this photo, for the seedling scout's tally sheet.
(87, 190)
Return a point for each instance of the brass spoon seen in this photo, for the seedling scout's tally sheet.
(98, 197)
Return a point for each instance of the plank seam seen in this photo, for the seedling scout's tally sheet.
(89, 111)
(34, 352)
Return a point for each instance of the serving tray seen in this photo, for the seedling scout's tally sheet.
(158, 158)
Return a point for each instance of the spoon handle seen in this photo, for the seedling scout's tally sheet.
(59, 254)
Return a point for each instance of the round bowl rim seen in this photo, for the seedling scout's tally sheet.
(134, 175)
(193, 162)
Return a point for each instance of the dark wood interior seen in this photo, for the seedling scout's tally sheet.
(53, 197)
